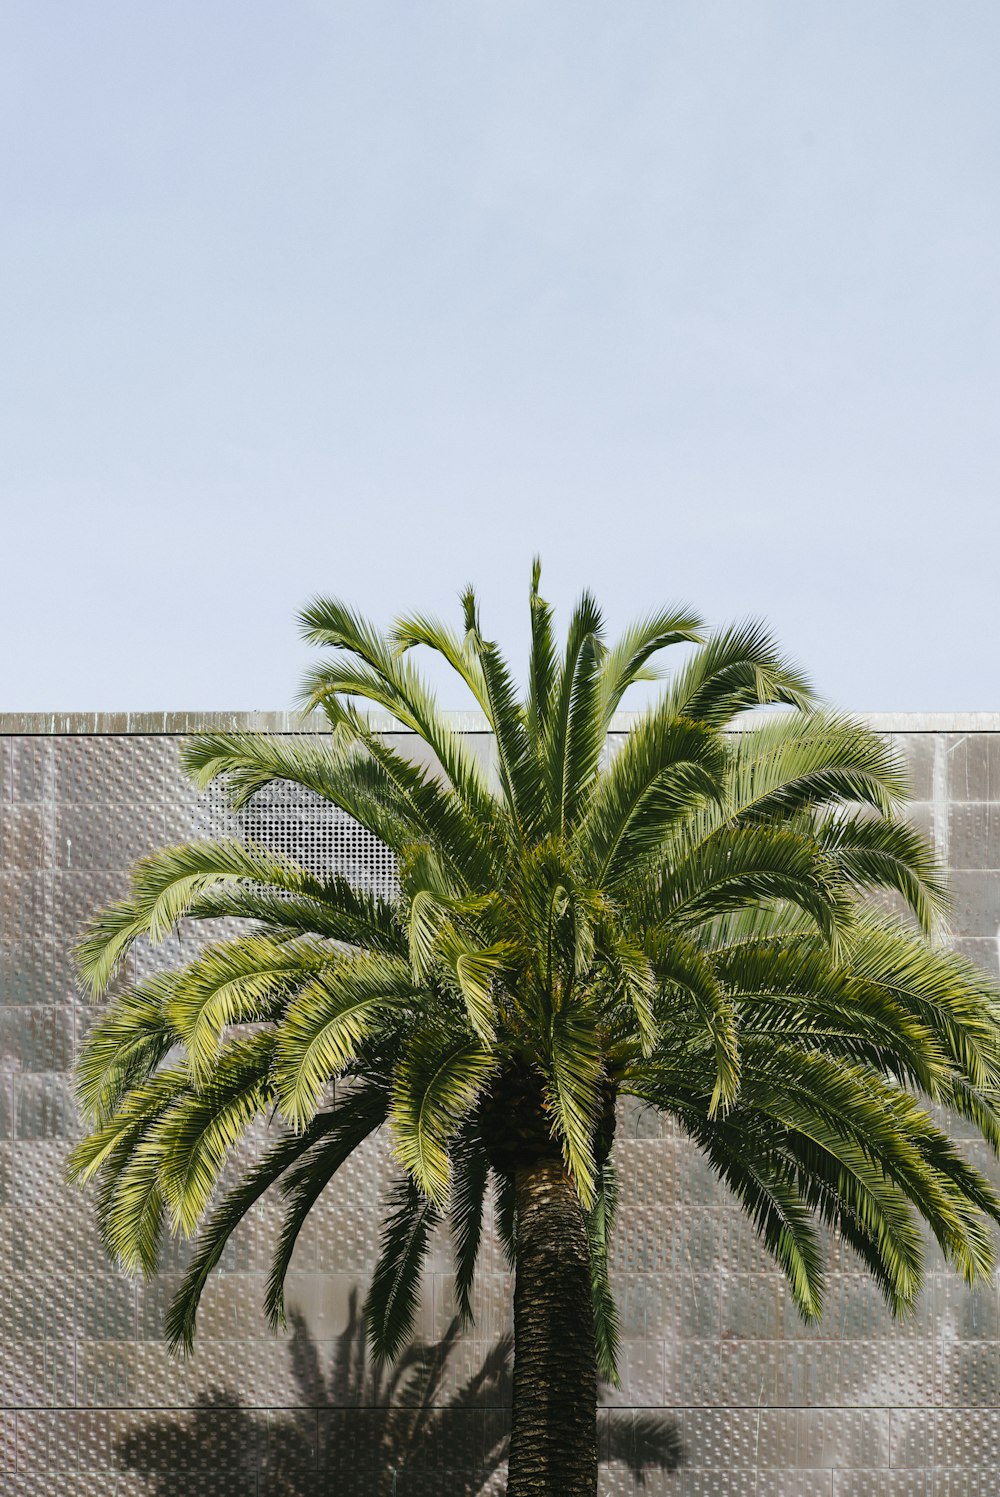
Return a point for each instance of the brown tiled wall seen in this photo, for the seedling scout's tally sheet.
(725, 1394)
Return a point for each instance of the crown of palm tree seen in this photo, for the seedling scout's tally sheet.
(686, 921)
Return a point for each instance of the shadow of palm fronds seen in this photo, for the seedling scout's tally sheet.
(412, 1429)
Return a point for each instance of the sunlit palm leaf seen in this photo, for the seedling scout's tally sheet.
(326, 1024)
(574, 1076)
(435, 1087)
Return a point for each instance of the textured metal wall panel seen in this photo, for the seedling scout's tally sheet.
(725, 1393)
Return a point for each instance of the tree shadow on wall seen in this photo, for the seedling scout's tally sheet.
(401, 1431)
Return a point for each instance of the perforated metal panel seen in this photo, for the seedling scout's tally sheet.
(300, 825)
(724, 1392)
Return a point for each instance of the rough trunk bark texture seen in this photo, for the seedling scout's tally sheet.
(553, 1444)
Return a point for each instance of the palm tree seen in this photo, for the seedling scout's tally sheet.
(688, 922)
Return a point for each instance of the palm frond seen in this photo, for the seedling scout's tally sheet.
(795, 992)
(386, 677)
(736, 669)
(332, 624)
(164, 885)
(224, 1220)
(573, 1085)
(131, 1214)
(542, 664)
(466, 843)
(196, 1136)
(393, 1298)
(882, 1136)
(390, 681)
(639, 983)
(357, 1112)
(417, 629)
(575, 734)
(739, 867)
(326, 1023)
(951, 996)
(681, 968)
(872, 853)
(435, 1086)
(764, 1185)
(337, 770)
(430, 899)
(626, 662)
(124, 1047)
(517, 765)
(123, 1155)
(110, 1142)
(344, 913)
(600, 1225)
(243, 981)
(789, 763)
(469, 1177)
(666, 766)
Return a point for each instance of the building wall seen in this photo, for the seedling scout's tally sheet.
(724, 1393)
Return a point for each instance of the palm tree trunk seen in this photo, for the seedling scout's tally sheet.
(553, 1443)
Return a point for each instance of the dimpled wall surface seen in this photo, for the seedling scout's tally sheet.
(724, 1393)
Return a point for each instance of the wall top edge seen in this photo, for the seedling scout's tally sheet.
(102, 724)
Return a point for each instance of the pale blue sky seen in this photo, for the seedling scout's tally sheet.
(700, 300)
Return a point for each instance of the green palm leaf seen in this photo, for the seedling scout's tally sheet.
(626, 663)
(224, 1220)
(469, 1176)
(355, 1116)
(327, 1023)
(244, 981)
(666, 765)
(391, 1306)
(196, 1136)
(435, 1087)
(600, 1227)
(736, 669)
(124, 1047)
(542, 665)
(812, 759)
(164, 885)
(575, 736)
(574, 1076)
